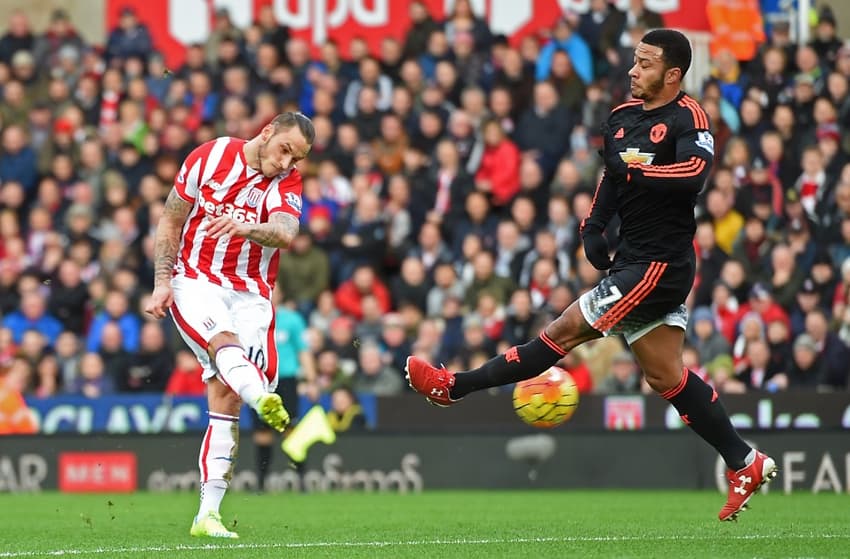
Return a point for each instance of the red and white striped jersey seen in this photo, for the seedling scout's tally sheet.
(217, 180)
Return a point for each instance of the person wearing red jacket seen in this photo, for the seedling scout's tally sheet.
(349, 295)
(498, 173)
(761, 301)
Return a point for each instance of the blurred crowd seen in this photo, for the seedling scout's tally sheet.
(441, 200)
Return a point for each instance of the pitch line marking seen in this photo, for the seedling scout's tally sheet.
(308, 545)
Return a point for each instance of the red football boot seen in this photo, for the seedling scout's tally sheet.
(745, 482)
(431, 382)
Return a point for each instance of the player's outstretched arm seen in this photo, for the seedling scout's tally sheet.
(165, 251)
(278, 232)
(694, 156)
(601, 210)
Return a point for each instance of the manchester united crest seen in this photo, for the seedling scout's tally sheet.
(658, 132)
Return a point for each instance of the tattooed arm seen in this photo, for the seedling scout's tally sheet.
(278, 232)
(165, 252)
(168, 236)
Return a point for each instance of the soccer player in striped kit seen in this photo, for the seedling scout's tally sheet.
(658, 152)
(234, 205)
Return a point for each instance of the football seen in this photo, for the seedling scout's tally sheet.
(546, 400)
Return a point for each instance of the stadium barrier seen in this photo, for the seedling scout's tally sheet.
(815, 461)
(480, 413)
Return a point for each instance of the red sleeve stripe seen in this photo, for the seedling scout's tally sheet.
(666, 168)
(680, 173)
(592, 202)
(627, 104)
(700, 118)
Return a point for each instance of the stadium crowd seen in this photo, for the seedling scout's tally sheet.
(441, 199)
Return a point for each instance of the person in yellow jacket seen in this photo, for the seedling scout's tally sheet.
(736, 26)
(15, 417)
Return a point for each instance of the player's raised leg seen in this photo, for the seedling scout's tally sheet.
(244, 378)
(659, 353)
(443, 387)
(216, 459)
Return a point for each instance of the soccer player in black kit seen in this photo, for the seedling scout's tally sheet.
(658, 152)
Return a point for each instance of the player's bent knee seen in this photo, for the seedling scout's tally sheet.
(221, 340)
(663, 378)
(570, 329)
(222, 399)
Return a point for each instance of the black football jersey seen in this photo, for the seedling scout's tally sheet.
(669, 151)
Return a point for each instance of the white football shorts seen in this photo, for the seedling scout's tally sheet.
(202, 309)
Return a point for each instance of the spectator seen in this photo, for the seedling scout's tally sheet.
(411, 285)
(33, 315)
(808, 299)
(422, 26)
(394, 342)
(68, 359)
(369, 76)
(60, 40)
(375, 377)
(69, 297)
(570, 87)
(446, 284)
(623, 378)
(363, 282)
(499, 169)
(304, 272)
(116, 310)
(751, 329)
(15, 417)
(486, 280)
(825, 43)
(544, 128)
(475, 340)
(324, 312)
(92, 381)
(18, 162)
(185, 379)
(757, 374)
(806, 370)
(721, 371)
(706, 339)
(17, 38)
(513, 88)
(478, 220)
(462, 19)
(362, 237)
(345, 415)
(521, 318)
(737, 27)
(130, 38)
(565, 39)
(832, 353)
(150, 367)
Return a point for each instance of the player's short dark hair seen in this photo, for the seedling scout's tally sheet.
(290, 119)
(676, 49)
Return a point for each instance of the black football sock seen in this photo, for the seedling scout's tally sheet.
(264, 461)
(703, 412)
(516, 364)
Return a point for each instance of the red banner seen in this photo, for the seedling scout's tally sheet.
(175, 23)
(84, 472)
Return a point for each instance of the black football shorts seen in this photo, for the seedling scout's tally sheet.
(636, 298)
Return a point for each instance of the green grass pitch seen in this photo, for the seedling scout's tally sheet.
(536, 524)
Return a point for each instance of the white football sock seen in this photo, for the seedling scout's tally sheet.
(216, 460)
(242, 376)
